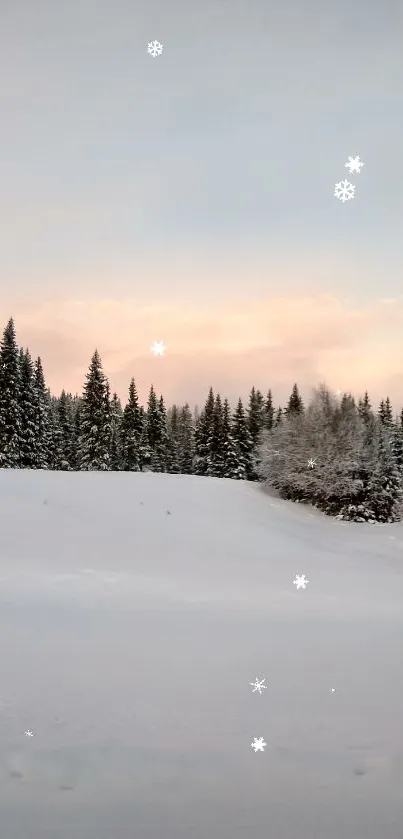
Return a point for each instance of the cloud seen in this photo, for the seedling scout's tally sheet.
(269, 342)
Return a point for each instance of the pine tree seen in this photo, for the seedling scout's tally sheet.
(256, 414)
(94, 439)
(279, 417)
(268, 412)
(116, 438)
(186, 441)
(42, 455)
(215, 457)
(243, 441)
(155, 433)
(10, 415)
(364, 408)
(385, 413)
(202, 435)
(65, 415)
(295, 403)
(131, 432)
(76, 433)
(233, 467)
(27, 411)
(385, 487)
(173, 445)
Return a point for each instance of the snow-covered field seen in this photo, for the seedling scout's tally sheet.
(134, 612)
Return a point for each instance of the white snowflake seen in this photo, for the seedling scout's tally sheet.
(158, 348)
(29, 733)
(344, 190)
(258, 744)
(311, 462)
(258, 686)
(354, 164)
(154, 48)
(300, 581)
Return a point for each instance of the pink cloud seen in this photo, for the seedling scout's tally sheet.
(270, 342)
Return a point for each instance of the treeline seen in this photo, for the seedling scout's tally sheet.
(355, 457)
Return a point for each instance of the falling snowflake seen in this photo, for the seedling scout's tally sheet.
(29, 733)
(344, 190)
(311, 462)
(258, 744)
(258, 686)
(158, 348)
(154, 48)
(354, 164)
(332, 690)
(300, 581)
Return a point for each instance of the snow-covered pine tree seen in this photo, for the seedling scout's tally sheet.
(233, 465)
(42, 456)
(94, 439)
(243, 441)
(131, 432)
(396, 443)
(364, 407)
(116, 429)
(385, 492)
(385, 413)
(256, 423)
(279, 417)
(10, 415)
(65, 456)
(186, 441)
(202, 435)
(295, 404)
(160, 453)
(173, 445)
(27, 411)
(268, 411)
(215, 457)
(154, 434)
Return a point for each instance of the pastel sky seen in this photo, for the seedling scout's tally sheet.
(189, 198)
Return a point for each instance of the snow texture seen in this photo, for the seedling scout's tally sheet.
(127, 640)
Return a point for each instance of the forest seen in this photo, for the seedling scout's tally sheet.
(339, 455)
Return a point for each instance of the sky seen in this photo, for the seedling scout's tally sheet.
(189, 198)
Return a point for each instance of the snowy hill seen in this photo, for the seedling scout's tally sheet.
(134, 611)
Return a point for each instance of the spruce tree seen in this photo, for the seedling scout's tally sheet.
(215, 457)
(10, 414)
(27, 411)
(268, 412)
(233, 465)
(116, 438)
(202, 435)
(173, 445)
(279, 417)
(94, 439)
(131, 432)
(256, 414)
(295, 403)
(65, 437)
(243, 441)
(43, 425)
(186, 441)
(385, 487)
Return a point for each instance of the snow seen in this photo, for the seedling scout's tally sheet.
(136, 609)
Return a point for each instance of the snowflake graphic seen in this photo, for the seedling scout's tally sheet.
(344, 191)
(154, 48)
(354, 164)
(29, 733)
(258, 744)
(258, 686)
(300, 581)
(158, 348)
(311, 462)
